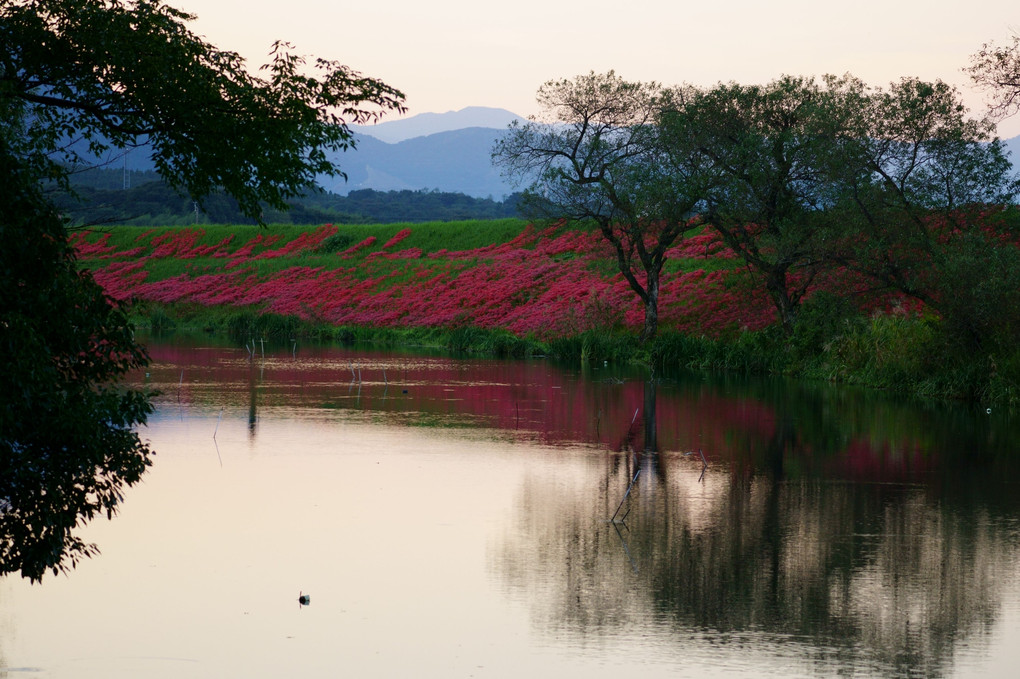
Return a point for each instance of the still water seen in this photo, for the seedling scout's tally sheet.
(455, 518)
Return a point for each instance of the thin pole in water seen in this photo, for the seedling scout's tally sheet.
(625, 496)
(216, 430)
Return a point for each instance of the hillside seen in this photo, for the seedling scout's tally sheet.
(494, 275)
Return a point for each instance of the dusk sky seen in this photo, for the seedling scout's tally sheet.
(448, 54)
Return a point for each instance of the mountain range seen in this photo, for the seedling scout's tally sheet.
(448, 152)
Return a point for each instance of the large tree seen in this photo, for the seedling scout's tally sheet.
(920, 188)
(767, 147)
(96, 75)
(594, 153)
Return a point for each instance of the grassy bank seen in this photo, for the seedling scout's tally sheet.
(508, 288)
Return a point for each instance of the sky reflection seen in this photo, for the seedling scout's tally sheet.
(445, 535)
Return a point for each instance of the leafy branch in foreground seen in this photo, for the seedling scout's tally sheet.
(111, 74)
(79, 78)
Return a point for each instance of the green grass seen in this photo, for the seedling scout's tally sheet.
(429, 236)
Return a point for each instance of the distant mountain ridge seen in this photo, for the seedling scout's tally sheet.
(434, 151)
(425, 124)
(458, 161)
(449, 152)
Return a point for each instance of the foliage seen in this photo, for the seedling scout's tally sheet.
(919, 187)
(996, 69)
(595, 155)
(67, 444)
(78, 77)
(71, 69)
(766, 147)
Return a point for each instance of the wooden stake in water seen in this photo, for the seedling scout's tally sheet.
(218, 426)
(625, 496)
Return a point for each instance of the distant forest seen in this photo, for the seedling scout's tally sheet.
(107, 196)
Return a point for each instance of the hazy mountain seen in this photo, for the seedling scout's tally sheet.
(456, 161)
(443, 156)
(424, 124)
(1014, 151)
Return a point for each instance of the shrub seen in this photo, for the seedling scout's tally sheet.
(338, 242)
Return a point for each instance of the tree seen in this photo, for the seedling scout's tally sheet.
(920, 189)
(594, 154)
(766, 146)
(106, 74)
(119, 72)
(996, 69)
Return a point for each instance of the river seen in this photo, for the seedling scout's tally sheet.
(462, 517)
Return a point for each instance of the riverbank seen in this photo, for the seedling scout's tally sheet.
(510, 288)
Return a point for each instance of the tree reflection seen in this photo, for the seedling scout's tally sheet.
(888, 574)
(44, 498)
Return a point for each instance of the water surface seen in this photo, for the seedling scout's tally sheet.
(451, 518)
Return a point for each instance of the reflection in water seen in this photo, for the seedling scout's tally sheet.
(253, 397)
(874, 535)
(874, 575)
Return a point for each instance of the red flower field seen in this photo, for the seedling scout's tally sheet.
(541, 282)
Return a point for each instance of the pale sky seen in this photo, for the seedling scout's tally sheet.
(449, 54)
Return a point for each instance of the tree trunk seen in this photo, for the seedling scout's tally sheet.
(776, 285)
(651, 308)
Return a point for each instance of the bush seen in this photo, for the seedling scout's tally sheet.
(338, 242)
(160, 321)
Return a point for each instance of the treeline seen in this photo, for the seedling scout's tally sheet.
(109, 196)
(824, 184)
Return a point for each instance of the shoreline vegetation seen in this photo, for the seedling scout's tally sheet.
(512, 288)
